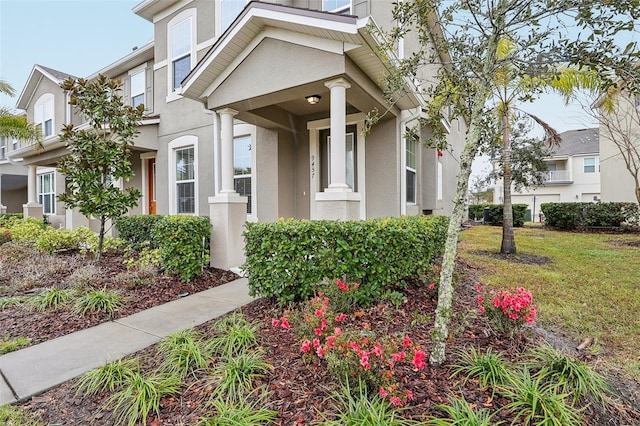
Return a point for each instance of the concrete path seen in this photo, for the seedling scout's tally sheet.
(35, 369)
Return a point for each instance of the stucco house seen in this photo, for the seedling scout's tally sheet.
(573, 174)
(255, 111)
(13, 178)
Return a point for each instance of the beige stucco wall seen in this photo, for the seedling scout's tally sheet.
(266, 174)
(14, 199)
(382, 171)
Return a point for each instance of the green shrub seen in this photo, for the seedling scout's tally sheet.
(52, 240)
(495, 213)
(27, 230)
(137, 229)
(184, 247)
(7, 219)
(288, 259)
(584, 215)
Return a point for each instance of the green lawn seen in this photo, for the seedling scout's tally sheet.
(590, 287)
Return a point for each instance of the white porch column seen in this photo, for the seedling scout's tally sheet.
(226, 160)
(338, 116)
(3, 209)
(32, 208)
(338, 201)
(227, 210)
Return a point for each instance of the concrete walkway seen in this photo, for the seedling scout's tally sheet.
(35, 369)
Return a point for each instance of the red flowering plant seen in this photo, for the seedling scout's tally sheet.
(352, 350)
(508, 310)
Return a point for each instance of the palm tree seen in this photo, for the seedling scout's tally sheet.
(13, 125)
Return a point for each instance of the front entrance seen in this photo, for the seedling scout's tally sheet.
(151, 185)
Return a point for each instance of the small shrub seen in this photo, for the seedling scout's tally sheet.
(460, 412)
(109, 377)
(9, 344)
(184, 247)
(106, 301)
(476, 211)
(358, 408)
(235, 376)
(52, 240)
(584, 215)
(249, 410)
(27, 230)
(508, 310)
(183, 353)
(50, 298)
(140, 396)
(8, 219)
(137, 230)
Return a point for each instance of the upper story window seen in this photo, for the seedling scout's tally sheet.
(137, 88)
(337, 6)
(590, 165)
(182, 44)
(227, 11)
(43, 114)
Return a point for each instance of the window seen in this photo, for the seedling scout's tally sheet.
(337, 6)
(14, 144)
(228, 10)
(411, 143)
(590, 165)
(350, 159)
(242, 167)
(3, 148)
(181, 47)
(185, 181)
(43, 114)
(47, 193)
(137, 88)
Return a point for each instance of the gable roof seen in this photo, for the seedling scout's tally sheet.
(577, 142)
(37, 73)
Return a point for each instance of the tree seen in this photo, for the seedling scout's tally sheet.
(466, 35)
(13, 125)
(99, 155)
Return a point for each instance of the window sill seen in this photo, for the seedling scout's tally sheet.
(173, 96)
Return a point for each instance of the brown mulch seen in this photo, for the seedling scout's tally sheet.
(300, 390)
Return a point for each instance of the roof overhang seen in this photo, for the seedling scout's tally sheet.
(353, 37)
(122, 65)
(37, 74)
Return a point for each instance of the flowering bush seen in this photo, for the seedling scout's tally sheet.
(354, 352)
(508, 309)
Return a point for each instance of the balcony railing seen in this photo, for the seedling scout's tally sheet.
(554, 176)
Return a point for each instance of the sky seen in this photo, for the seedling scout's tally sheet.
(80, 37)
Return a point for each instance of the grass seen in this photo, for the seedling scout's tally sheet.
(107, 301)
(460, 412)
(12, 416)
(9, 344)
(183, 353)
(249, 410)
(588, 289)
(490, 368)
(109, 377)
(51, 298)
(236, 375)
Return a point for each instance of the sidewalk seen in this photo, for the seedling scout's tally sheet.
(35, 369)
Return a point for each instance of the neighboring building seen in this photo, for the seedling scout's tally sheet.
(623, 126)
(13, 178)
(255, 110)
(573, 174)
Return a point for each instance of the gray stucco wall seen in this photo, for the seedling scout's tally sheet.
(382, 174)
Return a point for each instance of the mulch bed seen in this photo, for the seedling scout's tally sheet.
(300, 390)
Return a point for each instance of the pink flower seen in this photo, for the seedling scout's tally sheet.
(419, 358)
(320, 351)
(285, 324)
(319, 313)
(331, 341)
(306, 346)
(480, 299)
(432, 286)
(407, 341)
(340, 317)
(409, 395)
(341, 285)
(382, 392)
(364, 360)
(399, 356)
(275, 322)
(354, 346)
(323, 324)
(316, 343)
(395, 401)
(337, 331)
(377, 349)
(317, 331)
(478, 288)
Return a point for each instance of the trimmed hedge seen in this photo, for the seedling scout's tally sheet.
(495, 213)
(183, 244)
(137, 229)
(587, 215)
(288, 259)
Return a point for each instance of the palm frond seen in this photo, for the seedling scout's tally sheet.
(6, 88)
(552, 134)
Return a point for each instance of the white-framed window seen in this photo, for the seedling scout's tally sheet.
(242, 167)
(181, 44)
(43, 114)
(3, 148)
(14, 144)
(350, 160)
(226, 12)
(411, 144)
(183, 173)
(137, 87)
(47, 192)
(589, 165)
(337, 6)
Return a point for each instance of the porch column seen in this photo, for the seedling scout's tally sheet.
(227, 210)
(338, 159)
(3, 209)
(32, 208)
(338, 201)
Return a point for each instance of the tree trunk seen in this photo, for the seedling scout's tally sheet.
(508, 238)
(103, 220)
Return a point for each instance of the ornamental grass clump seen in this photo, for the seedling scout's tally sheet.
(51, 298)
(461, 412)
(248, 410)
(507, 310)
(352, 350)
(489, 369)
(233, 335)
(105, 301)
(183, 353)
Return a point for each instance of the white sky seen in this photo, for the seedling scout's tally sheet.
(81, 37)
